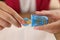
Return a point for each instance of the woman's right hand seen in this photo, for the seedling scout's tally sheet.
(8, 16)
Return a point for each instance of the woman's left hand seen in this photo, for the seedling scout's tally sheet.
(53, 27)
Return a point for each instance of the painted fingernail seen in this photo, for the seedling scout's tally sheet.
(23, 22)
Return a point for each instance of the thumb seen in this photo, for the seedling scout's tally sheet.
(44, 29)
(52, 27)
(39, 28)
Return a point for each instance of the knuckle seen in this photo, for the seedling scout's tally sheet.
(4, 23)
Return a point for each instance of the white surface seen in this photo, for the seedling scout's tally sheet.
(25, 33)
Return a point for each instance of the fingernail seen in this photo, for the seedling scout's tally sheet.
(37, 28)
(23, 22)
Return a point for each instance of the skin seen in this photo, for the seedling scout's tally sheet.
(53, 27)
(8, 16)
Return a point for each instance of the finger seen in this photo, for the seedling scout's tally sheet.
(1, 27)
(12, 12)
(52, 27)
(47, 29)
(7, 17)
(43, 13)
(3, 23)
(44, 29)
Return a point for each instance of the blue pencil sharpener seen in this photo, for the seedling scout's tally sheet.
(37, 20)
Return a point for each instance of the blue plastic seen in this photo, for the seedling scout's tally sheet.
(26, 19)
(38, 20)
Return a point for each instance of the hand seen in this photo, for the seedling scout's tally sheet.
(8, 16)
(53, 27)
